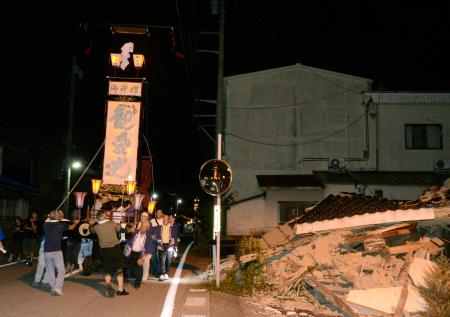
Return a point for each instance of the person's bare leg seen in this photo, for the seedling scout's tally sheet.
(109, 289)
(120, 282)
(108, 280)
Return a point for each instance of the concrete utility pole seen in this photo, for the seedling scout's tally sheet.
(73, 81)
(219, 120)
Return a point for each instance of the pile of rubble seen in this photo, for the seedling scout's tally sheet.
(374, 269)
(351, 272)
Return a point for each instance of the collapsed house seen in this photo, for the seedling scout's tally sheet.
(353, 255)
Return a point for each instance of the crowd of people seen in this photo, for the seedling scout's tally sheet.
(128, 252)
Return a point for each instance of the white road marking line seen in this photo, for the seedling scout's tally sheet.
(21, 261)
(198, 290)
(195, 301)
(72, 273)
(170, 297)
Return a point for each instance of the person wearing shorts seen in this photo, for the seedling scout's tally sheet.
(110, 252)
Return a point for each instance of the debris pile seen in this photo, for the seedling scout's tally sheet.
(350, 272)
(371, 269)
(352, 255)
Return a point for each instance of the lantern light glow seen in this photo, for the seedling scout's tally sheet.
(138, 60)
(130, 185)
(115, 59)
(96, 183)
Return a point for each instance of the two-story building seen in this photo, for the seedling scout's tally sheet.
(30, 173)
(297, 134)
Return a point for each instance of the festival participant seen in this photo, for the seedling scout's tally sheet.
(167, 240)
(54, 261)
(141, 245)
(110, 252)
(156, 222)
(17, 240)
(40, 268)
(177, 231)
(147, 257)
(30, 238)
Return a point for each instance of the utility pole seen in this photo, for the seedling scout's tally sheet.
(73, 81)
(219, 121)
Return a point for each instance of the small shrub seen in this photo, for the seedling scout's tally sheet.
(243, 279)
(437, 292)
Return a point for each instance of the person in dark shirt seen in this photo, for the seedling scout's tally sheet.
(53, 232)
(30, 238)
(17, 240)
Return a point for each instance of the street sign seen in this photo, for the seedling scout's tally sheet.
(216, 219)
(215, 177)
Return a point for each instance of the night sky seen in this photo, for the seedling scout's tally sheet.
(399, 47)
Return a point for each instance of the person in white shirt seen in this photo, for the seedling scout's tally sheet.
(141, 247)
(167, 238)
(146, 266)
(158, 219)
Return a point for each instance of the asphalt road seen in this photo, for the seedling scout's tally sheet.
(83, 296)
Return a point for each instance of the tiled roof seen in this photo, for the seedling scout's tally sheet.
(288, 181)
(347, 205)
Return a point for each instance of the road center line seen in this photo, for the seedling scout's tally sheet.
(170, 297)
(12, 263)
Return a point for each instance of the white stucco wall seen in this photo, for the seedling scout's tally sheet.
(246, 215)
(263, 212)
(295, 105)
(396, 110)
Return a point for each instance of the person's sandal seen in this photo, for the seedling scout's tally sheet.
(109, 291)
(122, 293)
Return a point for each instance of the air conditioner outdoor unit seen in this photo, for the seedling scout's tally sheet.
(336, 163)
(442, 164)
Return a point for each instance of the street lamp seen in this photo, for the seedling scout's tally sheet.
(75, 165)
(179, 201)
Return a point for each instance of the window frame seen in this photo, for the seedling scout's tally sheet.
(305, 204)
(426, 146)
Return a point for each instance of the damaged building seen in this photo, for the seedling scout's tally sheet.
(297, 134)
(352, 255)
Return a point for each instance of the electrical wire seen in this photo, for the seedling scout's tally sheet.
(334, 83)
(151, 160)
(294, 104)
(298, 144)
(183, 47)
(81, 176)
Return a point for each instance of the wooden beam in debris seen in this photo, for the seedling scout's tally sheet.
(247, 258)
(312, 280)
(404, 294)
(412, 247)
(387, 232)
(438, 242)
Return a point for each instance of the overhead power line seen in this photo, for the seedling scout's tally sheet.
(262, 107)
(301, 143)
